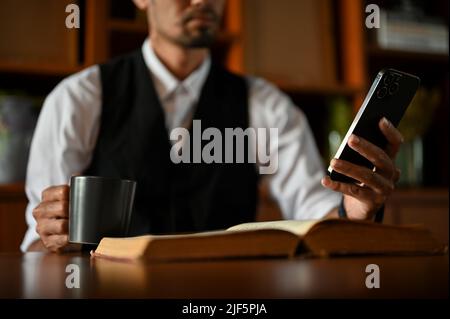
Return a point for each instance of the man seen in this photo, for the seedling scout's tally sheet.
(114, 119)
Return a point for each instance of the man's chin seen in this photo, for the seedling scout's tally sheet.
(203, 40)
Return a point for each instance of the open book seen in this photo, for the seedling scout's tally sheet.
(276, 239)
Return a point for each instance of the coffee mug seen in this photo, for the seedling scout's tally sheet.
(99, 207)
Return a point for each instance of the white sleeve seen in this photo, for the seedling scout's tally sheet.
(64, 138)
(296, 184)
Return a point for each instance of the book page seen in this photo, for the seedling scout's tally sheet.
(297, 227)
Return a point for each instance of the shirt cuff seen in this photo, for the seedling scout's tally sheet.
(30, 237)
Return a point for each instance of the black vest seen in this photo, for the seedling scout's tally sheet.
(133, 143)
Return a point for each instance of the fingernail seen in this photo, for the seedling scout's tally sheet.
(354, 139)
(386, 122)
(335, 163)
(325, 181)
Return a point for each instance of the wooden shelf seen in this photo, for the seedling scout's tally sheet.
(375, 51)
(427, 193)
(296, 88)
(38, 68)
(13, 203)
(425, 206)
(127, 26)
(12, 191)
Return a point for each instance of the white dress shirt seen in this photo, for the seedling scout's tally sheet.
(68, 126)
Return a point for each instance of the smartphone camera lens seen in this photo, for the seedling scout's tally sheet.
(388, 79)
(381, 93)
(393, 88)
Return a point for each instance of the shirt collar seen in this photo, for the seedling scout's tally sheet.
(166, 82)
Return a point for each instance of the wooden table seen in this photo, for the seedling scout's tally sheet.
(39, 275)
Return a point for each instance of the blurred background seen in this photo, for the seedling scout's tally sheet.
(320, 52)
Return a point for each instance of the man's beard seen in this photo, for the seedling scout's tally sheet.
(203, 39)
(204, 36)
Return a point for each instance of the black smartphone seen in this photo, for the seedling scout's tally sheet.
(389, 96)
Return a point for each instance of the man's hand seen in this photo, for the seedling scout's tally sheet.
(52, 218)
(364, 200)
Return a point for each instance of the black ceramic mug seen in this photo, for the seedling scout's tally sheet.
(99, 207)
